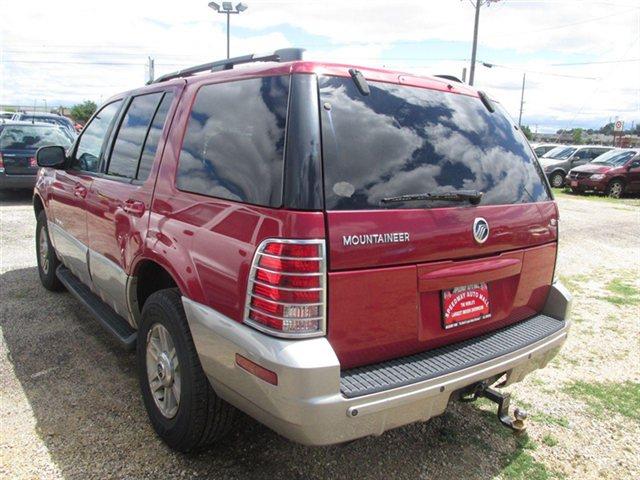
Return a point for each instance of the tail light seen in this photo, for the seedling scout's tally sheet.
(33, 162)
(1, 164)
(286, 291)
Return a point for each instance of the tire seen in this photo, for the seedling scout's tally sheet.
(46, 255)
(615, 189)
(198, 417)
(557, 179)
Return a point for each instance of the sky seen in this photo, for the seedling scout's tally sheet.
(581, 57)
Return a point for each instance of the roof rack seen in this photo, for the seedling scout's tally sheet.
(450, 77)
(281, 55)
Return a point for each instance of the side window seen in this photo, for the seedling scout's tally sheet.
(87, 156)
(234, 143)
(153, 137)
(127, 147)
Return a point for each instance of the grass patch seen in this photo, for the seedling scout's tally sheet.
(594, 197)
(574, 282)
(522, 466)
(550, 419)
(549, 440)
(622, 398)
(623, 293)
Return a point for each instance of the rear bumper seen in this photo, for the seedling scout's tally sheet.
(307, 405)
(17, 181)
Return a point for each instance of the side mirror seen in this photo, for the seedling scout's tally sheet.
(634, 164)
(52, 156)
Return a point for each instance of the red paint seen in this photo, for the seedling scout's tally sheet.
(384, 300)
(579, 177)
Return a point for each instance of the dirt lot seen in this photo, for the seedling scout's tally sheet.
(70, 408)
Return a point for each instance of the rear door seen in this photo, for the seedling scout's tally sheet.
(410, 275)
(69, 190)
(118, 201)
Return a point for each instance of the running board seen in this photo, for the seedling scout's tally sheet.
(113, 323)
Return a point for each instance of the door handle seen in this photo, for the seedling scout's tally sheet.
(134, 207)
(80, 191)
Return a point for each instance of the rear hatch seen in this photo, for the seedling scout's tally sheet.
(20, 142)
(406, 272)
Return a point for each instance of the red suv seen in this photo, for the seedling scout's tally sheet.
(335, 251)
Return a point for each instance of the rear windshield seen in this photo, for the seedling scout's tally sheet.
(26, 137)
(403, 140)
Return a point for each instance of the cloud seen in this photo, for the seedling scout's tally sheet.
(117, 36)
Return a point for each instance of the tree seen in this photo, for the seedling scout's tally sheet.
(81, 112)
(527, 132)
(577, 136)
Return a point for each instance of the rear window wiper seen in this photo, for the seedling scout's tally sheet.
(472, 196)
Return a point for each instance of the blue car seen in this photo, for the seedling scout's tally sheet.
(41, 117)
(19, 142)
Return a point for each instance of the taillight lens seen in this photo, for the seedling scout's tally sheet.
(1, 164)
(33, 163)
(286, 288)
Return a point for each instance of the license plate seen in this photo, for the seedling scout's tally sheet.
(463, 305)
(574, 183)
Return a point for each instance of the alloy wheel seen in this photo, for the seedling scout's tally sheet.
(43, 250)
(163, 370)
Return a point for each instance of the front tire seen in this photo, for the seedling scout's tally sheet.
(46, 255)
(183, 408)
(615, 188)
(557, 180)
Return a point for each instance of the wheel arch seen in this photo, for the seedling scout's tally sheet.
(148, 275)
(38, 204)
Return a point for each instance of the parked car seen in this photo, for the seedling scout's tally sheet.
(52, 118)
(19, 142)
(541, 149)
(310, 243)
(4, 115)
(614, 173)
(558, 161)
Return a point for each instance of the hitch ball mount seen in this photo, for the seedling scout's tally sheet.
(515, 423)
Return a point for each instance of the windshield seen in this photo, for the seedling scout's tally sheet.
(560, 153)
(31, 137)
(615, 158)
(402, 140)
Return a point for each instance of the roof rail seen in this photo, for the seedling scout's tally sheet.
(450, 77)
(281, 55)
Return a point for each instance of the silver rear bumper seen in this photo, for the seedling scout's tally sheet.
(307, 406)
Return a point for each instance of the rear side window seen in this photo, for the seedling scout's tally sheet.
(402, 140)
(153, 137)
(133, 130)
(234, 143)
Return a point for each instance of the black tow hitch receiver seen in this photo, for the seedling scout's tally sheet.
(515, 423)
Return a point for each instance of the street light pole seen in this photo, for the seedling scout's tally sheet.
(228, 10)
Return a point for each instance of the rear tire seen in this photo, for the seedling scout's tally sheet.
(196, 417)
(557, 180)
(615, 188)
(46, 255)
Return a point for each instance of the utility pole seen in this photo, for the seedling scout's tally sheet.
(151, 68)
(464, 74)
(524, 77)
(474, 48)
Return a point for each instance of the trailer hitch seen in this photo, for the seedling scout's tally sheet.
(515, 423)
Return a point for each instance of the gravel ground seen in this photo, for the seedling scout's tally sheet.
(70, 408)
